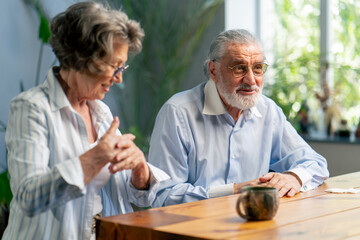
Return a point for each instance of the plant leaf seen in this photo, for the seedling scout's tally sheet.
(44, 29)
(5, 191)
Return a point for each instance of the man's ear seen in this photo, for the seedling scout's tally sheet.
(213, 71)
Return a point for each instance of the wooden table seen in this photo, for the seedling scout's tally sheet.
(311, 215)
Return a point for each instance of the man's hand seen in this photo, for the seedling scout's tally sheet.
(238, 186)
(286, 183)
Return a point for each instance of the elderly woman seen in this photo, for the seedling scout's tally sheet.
(67, 160)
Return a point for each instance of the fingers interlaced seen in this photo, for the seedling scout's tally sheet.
(130, 161)
(122, 151)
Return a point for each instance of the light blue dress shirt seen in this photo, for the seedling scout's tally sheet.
(198, 144)
(45, 137)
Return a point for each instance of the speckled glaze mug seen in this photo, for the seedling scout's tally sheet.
(257, 203)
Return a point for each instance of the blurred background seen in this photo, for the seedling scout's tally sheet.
(312, 47)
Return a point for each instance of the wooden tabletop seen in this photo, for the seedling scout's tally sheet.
(311, 215)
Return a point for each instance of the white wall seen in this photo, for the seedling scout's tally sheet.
(19, 51)
(240, 14)
(256, 16)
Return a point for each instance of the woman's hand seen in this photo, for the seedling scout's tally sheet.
(131, 157)
(121, 152)
(105, 151)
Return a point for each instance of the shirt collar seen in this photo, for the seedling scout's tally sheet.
(213, 104)
(57, 96)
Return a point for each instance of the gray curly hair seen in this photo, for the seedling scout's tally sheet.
(85, 33)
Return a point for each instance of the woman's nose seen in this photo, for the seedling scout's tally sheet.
(118, 77)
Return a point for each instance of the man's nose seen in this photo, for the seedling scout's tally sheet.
(249, 77)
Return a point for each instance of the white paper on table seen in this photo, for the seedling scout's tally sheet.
(342, 190)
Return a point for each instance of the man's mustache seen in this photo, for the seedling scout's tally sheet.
(247, 87)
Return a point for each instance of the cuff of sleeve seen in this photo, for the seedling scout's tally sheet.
(221, 190)
(144, 198)
(158, 174)
(305, 178)
(72, 172)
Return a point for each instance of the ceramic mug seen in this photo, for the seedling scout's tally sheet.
(258, 203)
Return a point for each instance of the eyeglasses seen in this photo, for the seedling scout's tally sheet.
(118, 69)
(240, 70)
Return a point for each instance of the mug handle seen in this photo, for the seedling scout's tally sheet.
(240, 204)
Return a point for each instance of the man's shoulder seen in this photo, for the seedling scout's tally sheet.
(188, 97)
(267, 101)
(269, 106)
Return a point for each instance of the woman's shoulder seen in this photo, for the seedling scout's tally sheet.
(34, 96)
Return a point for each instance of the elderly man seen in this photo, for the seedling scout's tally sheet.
(224, 134)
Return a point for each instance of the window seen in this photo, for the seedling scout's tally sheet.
(295, 77)
(314, 54)
(345, 61)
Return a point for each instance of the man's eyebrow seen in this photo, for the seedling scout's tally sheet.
(243, 61)
(239, 61)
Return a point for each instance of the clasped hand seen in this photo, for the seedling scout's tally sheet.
(122, 153)
(287, 184)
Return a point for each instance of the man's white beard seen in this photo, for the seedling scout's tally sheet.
(237, 100)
